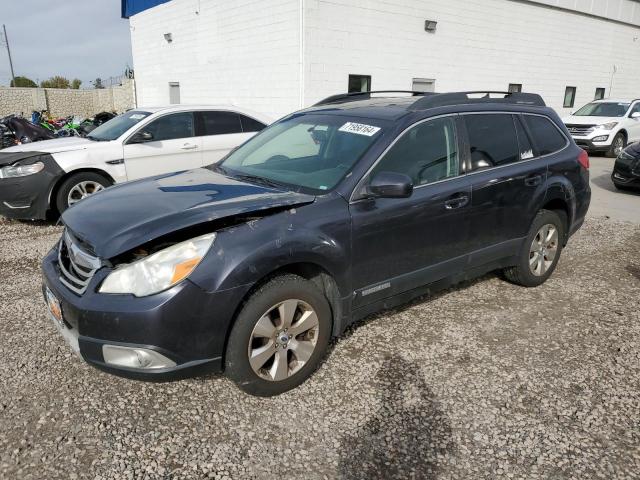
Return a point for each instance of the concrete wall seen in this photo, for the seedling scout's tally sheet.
(244, 52)
(65, 102)
(478, 44)
(252, 53)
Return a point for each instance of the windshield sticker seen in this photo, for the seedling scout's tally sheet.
(359, 128)
(527, 154)
(136, 116)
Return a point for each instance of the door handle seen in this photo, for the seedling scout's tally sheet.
(186, 146)
(456, 202)
(533, 180)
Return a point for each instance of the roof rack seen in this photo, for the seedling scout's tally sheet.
(460, 98)
(355, 96)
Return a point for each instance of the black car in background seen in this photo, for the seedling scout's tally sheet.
(360, 203)
(626, 170)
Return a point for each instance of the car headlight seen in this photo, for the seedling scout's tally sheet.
(13, 171)
(159, 271)
(608, 126)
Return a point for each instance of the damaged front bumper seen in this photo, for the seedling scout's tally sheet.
(28, 197)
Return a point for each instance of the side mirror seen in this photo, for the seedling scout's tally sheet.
(141, 137)
(635, 115)
(390, 185)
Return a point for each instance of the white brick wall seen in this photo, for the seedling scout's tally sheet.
(242, 52)
(248, 52)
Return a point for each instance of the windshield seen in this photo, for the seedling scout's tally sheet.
(606, 109)
(117, 126)
(311, 151)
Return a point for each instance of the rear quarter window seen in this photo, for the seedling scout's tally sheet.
(546, 136)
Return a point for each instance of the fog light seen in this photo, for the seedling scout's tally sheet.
(601, 138)
(141, 358)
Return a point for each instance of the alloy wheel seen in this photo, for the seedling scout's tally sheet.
(83, 190)
(543, 250)
(283, 340)
(618, 145)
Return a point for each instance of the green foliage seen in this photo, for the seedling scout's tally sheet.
(23, 82)
(56, 82)
(75, 83)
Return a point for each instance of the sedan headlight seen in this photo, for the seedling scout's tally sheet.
(13, 171)
(608, 126)
(159, 271)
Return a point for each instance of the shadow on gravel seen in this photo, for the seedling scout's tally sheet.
(405, 437)
(633, 270)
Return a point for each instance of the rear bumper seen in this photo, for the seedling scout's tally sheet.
(583, 200)
(184, 324)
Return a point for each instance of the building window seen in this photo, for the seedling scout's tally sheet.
(174, 93)
(515, 88)
(599, 94)
(423, 85)
(359, 83)
(569, 97)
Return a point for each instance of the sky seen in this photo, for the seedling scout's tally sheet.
(82, 39)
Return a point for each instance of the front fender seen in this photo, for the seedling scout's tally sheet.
(246, 253)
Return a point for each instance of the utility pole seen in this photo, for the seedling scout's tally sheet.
(6, 41)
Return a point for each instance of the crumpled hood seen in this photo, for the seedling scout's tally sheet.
(56, 145)
(123, 217)
(584, 120)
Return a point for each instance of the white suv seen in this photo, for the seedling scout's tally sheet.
(49, 176)
(605, 125)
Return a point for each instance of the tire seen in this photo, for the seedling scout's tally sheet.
(76, 181)
(532, 276)
(619, 138)
(258, 331)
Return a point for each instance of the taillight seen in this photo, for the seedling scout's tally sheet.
(583, 159)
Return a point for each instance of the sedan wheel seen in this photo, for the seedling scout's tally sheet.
(83, 190)
(283, 340)
(543, 250)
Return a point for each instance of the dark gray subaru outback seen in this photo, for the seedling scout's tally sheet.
(360, 203)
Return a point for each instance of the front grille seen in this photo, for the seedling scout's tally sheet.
(580, 130)
(77, 267)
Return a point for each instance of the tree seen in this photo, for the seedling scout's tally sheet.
(23, 82)
(56, 82)
(98, 83)
(75, 83)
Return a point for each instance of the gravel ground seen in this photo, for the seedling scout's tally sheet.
(486, 380)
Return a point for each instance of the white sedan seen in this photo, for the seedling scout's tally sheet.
(37, 178)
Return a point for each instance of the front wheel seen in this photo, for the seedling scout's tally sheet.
(541, 251)
(79, 186)
(617, 145)
(279, 337)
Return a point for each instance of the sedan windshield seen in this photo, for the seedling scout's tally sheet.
(311, 151)
(117, 126)
(603, 109)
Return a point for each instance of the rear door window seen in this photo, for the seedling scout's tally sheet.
(492, 140)
(526, 149)
(546, 135)
(220, 123)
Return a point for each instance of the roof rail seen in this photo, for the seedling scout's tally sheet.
(461, 98)
(355, 96)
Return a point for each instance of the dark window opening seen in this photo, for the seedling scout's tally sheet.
(569, 97)
(359, 83)
(599, 94)
(221, 123)
(492, 140)
(515, 88)
(251, 124)
(546, 136)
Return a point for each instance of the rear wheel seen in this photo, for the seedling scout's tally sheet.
(279, 337)
(79, 186)
(618, 144)
(540, 252)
